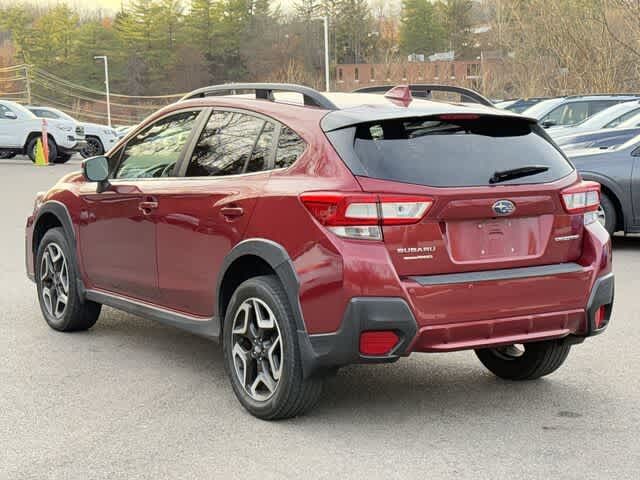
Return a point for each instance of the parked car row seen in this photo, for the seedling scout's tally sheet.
(21, 127)
(601, 135)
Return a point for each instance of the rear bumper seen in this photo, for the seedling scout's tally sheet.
(322, 352)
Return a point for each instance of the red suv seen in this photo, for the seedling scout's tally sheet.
(342, 228)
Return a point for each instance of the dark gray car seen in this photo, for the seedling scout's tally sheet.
(618, 171)
(602, 139)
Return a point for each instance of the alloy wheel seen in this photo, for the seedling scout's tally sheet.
(257, 349)
(509, 352)
(54, 280)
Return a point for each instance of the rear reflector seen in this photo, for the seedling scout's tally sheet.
(360, 215)
(601, 314)
(581, 198)
(377, 342)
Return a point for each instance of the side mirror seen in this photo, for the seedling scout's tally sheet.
(96, 169)
(10, 115)
(548, 123)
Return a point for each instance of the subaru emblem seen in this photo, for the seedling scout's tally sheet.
(504, 207)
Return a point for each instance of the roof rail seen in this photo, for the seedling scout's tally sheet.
(264, 91)
(603, 95)
(423, 90)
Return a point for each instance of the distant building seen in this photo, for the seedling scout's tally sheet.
(467, 73)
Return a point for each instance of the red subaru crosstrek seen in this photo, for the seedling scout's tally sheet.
(342, 228)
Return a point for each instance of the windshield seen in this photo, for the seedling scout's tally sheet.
(51, 113)
(632, 122)
(542, 108)
(608, 115)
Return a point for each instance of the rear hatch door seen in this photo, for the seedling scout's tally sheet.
(494, 183)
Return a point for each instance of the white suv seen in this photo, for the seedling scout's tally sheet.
(99, 138)
(20, 130)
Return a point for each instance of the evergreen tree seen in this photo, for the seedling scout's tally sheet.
(458, 22)
(420, 30)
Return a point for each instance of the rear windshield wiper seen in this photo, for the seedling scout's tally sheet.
(504, 175)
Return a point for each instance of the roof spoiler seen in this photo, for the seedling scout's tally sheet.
(424, 90)
(264, 91)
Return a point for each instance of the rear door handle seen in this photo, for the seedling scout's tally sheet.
(147, 206)
(232, 212)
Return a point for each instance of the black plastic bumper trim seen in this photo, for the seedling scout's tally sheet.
(326, 351)
(602, 294)
(503, 274)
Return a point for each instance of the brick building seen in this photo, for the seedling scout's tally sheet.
(471, 74)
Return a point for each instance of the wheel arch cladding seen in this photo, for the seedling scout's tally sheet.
(273, 256)
(254, 257)
(54, 214)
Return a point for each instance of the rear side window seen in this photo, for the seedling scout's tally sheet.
(446, 153)
(290, 147)
(43, 113)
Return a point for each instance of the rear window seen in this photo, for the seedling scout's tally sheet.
(453, 152)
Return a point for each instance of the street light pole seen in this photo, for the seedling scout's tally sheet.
(106, 84)
(326, 53)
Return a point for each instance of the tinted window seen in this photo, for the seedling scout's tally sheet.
(622, 118)
(290, 147)
(599, 105)
(226, 145)
(155, 151)
(43, 113)
(568, 114)
(3, 112)
(429, 151)
(263, 149)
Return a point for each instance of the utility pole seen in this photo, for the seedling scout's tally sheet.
(28, 83)
(106, 84)
(326, 53)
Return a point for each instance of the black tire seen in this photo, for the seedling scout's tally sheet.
(63, 158)
(31, 149)
(78, 313)
(293, 395)
(534, 361)
(610, 213)
(93, 148)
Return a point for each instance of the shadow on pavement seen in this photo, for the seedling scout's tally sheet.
(628, 242)
(423, 386)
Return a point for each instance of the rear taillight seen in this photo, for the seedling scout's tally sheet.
(583, 197)
(360, 215)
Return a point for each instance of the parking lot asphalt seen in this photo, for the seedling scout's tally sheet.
(133, 399)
